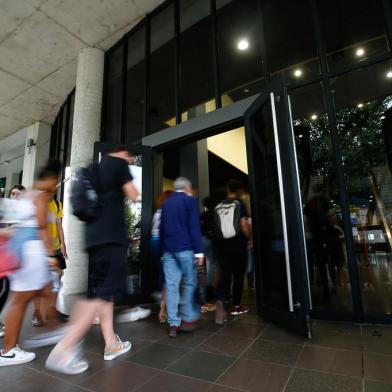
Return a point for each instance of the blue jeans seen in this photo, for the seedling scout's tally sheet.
(180, 266)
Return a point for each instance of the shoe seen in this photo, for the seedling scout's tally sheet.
(134, 314)
(2, 330)
(239, 310)
(173, 332)
(49, 338)
(118, 349)
(16, 356)
(67, 364)
(188, 327)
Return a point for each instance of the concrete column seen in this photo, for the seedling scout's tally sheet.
(194, 166)
(86, 131)
(37, 154)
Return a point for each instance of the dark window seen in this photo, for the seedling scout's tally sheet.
(353, 30)
(113, 95)
(240, 56)
(197, 79)
(290, 41)
(162, 49)
(134, 123)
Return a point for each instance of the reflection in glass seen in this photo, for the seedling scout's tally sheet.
(365, 139)
(325, 241)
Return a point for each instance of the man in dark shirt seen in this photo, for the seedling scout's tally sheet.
(182, 250)
(106, 243)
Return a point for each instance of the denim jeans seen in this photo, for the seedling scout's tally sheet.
(180, 266)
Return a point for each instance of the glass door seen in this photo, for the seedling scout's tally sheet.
(138, 218)
(279, 241)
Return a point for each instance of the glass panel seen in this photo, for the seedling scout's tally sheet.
(162, 72)
(353, 30)
(113, 96)
(268, 222)
(292, 49)
(327, 258)
(197, 78)
(363, 101)
(134, 121)
(240, 57)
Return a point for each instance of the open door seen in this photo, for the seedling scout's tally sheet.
(283, 294)
(141, 270)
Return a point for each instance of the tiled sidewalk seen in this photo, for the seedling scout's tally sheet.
(244, 355)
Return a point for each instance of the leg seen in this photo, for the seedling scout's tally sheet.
(4, 290)
(105, 313)
(172, 280)
(238, 267)
(225, 277)
(14, 318)
(190, 310)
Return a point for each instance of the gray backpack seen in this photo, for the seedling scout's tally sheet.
(227, 216)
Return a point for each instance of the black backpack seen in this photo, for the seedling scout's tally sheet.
(85, 195)
(227, 219)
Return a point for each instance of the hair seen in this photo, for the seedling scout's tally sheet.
(51, 169)
(18, 187)
(233, 186)
(118, 148)
(181, 183)
(162, 198)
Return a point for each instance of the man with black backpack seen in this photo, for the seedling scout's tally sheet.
(232, 235)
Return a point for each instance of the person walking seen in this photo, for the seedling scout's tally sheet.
(106, 243)
(182, 247)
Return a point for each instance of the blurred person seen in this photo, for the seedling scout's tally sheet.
(31, 242)
(106, 243)
(233, 233)
(182, 248)
(15, 193)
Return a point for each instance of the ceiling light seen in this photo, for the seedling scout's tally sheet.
(314, 117)
(246, 90)
(360, 52)
(382, 117)
(389, 75)
(301, 136)
(243, 44)
(298, 73)
(360, 106)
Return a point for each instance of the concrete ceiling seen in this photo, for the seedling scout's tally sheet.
(39, 44)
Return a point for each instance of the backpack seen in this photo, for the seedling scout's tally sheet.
(227, 218)
(84, 194)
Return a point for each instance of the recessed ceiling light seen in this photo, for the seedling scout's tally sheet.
(382, 117)
(298, 73)
(246, 90)
(360, 105)
(314, 117)
(360, 52)
(243, 44)
(389, 75)
(301, 136)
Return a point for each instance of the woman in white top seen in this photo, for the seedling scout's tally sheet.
(32, 244)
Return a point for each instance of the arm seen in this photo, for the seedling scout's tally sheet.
(246, 228)
(130, 191)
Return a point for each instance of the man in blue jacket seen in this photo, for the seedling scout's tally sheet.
(182, 251)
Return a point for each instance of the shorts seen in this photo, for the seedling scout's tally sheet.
(107, 272)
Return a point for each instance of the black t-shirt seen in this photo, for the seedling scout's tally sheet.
(109, 227)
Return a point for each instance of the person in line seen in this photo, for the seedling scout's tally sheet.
(60, 251)
(106, 243)
(31, 242)
(15, 193)
(182, 247)
(234, 232)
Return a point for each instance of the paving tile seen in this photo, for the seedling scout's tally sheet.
(11, 374)
(166, 382)
(242, 330)
(220, 388)
(188, 340)
(158, 355)
(42, 383)
(124, 376)
(256, 376)
(201, 365)
(336, 340)
(250, 319)
(141, 330)
(344, 362)
(377, 343)
(337, 326)
(378, 367)
(377, 330)
(277, 352)
(375, 386)
(225, 345)
(309, 381)
(273, 332)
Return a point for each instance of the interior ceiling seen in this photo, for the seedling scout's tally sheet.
(39, 44)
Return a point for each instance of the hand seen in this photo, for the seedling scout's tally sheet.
(199, 261)
(54, 262)
(64, 251)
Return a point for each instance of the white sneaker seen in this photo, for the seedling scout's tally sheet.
(16, 356)
(118, 349)
(44, 339)
(71, 363)
(134, 314)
